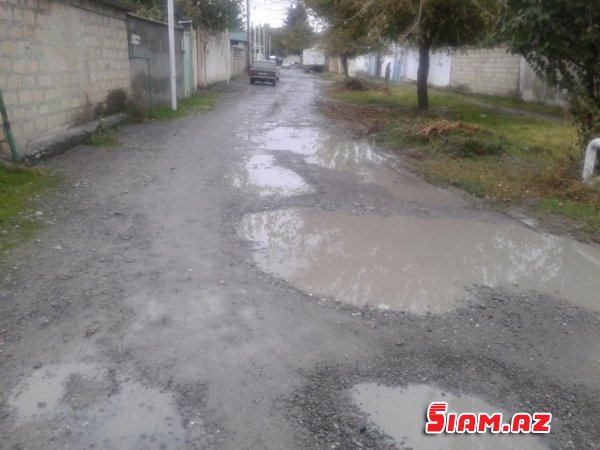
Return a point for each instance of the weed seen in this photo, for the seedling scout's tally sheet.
(103, 138)
(21, 191)
(199, 101)
(444, 127)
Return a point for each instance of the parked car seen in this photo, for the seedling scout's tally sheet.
(286, 64)
(265, 71)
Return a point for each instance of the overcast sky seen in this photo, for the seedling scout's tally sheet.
(270, 12)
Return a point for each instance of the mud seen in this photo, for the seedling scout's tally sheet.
(359, 162)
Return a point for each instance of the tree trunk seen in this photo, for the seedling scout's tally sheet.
(345, 65)
(422, 75)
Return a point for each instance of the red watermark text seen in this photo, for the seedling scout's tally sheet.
(439, 420)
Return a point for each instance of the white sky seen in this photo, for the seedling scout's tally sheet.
(270, 12)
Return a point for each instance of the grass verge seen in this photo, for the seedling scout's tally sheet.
(21, 193)
(503, 150)
(197, 102)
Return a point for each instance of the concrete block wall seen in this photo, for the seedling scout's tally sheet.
(58, 62)
(486, 71)
(238, 60)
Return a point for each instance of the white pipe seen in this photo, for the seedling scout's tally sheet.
(172, 55)
(590, 160)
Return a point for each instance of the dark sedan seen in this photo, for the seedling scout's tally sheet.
(265, 71)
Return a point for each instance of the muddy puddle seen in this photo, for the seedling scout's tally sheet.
(98, 408)
(400, 414)
(260, 175)
(417, 264)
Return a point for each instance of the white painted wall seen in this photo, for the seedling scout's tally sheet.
(214, 62)
(440, 65)
(360, 65)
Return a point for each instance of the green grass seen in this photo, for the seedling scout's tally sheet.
(105, 139)
(21, 192)
(197, 102)
(585, 216)
(521, 154)
(520, 105)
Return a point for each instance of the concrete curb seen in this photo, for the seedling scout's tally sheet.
(60, 142)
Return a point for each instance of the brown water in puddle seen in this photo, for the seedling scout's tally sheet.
(417, 264)
(131, 416)
(400, 414)
(259, 174)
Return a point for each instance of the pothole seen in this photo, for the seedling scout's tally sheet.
(416, 264)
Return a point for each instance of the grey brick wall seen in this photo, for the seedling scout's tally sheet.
(58, 62)
(486, 71)
(238, 60)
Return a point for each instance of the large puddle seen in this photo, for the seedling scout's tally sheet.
(417, 264)
(260, 175)
(99, 409)
(400, 414)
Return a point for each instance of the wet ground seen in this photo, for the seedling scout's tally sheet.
(255, 277)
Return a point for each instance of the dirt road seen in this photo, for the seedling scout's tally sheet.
(253, 277)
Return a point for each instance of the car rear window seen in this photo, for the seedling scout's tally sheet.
(264, 65)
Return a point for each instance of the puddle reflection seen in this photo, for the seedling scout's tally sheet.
(300, 140)
(415, 264)
(101, 411)
(260, 174)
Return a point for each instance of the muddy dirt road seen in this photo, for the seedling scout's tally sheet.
(253, 277)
